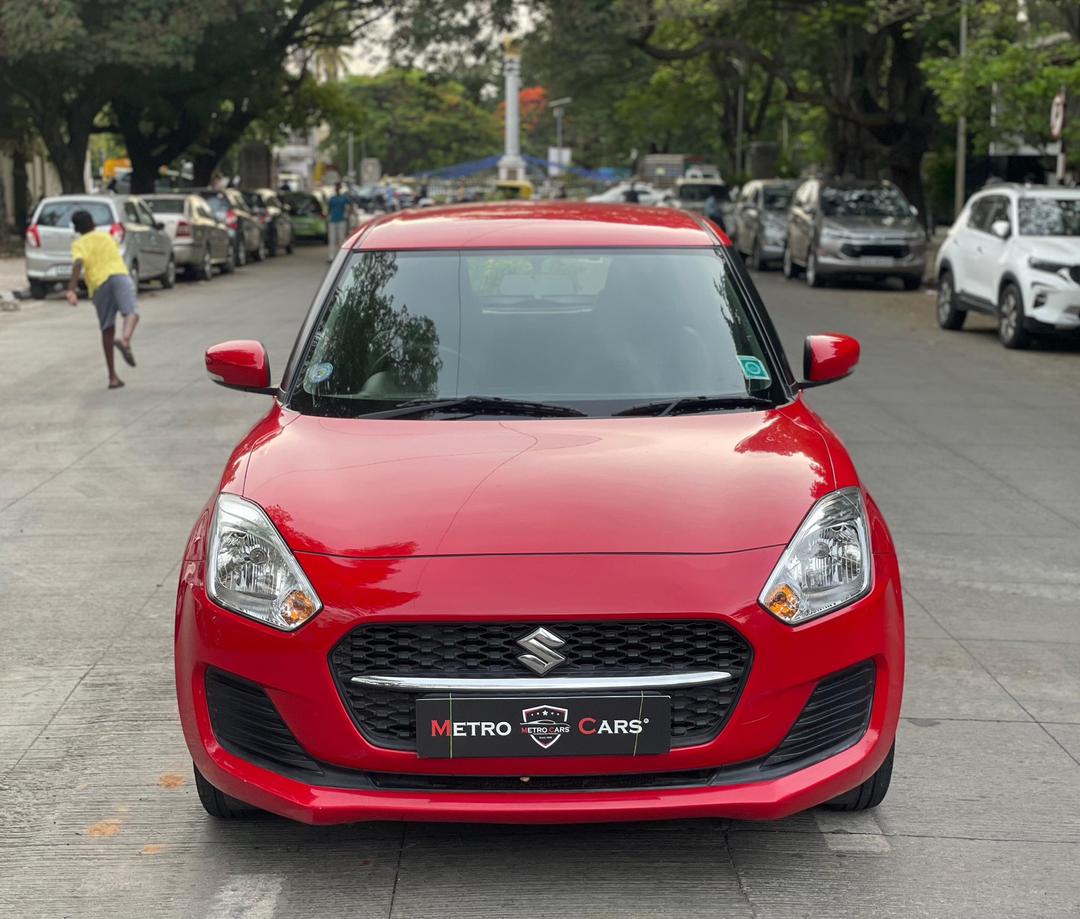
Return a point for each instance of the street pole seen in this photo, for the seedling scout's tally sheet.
(959, 194)
(350, 172)
(739, 119)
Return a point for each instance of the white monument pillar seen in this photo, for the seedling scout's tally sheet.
(511, 165)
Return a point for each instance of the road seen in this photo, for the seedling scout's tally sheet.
(971, 450)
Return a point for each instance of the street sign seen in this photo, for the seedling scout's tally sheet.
(1057, 116)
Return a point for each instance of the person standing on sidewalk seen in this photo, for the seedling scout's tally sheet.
(97, 255)
(336, 220)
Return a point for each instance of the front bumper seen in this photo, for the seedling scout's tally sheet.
(833, 263)
(294, 671)
(1054, 309)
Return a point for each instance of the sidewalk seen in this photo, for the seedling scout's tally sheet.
(12, 278)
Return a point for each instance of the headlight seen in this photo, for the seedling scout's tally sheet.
(1043, 265)
(826, 565)
(251, 571)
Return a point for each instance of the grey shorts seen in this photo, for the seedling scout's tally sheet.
(116, 295)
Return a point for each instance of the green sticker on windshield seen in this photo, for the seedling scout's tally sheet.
(753, 368)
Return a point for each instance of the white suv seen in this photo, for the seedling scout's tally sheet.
(1014, 253)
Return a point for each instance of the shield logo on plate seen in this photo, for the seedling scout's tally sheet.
(545, 724)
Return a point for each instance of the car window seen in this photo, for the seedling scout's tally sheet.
(1045, 216)
(58, 213)
(699, 192)
(863, 201)
(606, 327)
(166, 205)
(987, 210)
(146, 215)
(131, 213)
(777, 198)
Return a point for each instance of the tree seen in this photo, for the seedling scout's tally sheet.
(65, 59)
(413, 122)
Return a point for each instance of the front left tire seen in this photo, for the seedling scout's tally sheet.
(168, 279)
(870, 793)
(1011, 329)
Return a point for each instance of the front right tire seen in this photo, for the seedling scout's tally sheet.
(218, 804)
(790, 269)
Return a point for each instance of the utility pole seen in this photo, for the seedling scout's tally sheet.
(558, 107)
(959, 194)
(741, 65)
(350, 172)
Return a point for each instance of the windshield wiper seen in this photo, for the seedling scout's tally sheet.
(687, 404)
(479, 405)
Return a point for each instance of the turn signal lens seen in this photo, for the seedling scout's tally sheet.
(826, 565)
(251, 571)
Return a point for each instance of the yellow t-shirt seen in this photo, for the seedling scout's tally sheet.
(100, 256)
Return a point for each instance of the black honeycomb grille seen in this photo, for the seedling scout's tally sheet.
(642, 647)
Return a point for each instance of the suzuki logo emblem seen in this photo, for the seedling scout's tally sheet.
(540, 645)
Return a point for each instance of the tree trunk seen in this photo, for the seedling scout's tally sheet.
(203, 167)
(20, 191)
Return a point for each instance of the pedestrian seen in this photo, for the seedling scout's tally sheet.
(631, 195)
(337, 220)
(97, 256)
(713, 211)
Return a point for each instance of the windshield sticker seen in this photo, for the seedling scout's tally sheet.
(753, 368)
(319, 373)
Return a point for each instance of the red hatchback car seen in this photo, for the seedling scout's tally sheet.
(538, 528)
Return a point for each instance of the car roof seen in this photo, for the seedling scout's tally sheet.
(1023, 190)
(519, 224)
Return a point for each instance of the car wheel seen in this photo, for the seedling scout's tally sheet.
(260, 253)
(813, 279)
(168, 279)
(240, 254)
(272, 247)
(870, 793)
(39, 290)
(1011, 329)
(229, 265)
(217, 803)
(134, 272)
(791, 270)
(290, 247)
(756, 261)
(206, 266)
(948, 316)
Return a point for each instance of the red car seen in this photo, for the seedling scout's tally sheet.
(538, 528)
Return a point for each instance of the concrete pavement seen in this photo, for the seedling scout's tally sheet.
(971, 451)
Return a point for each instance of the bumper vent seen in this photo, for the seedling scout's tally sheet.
(596, 648)
(875, 250)
(246, 723)
(835, 716)
(639, 781)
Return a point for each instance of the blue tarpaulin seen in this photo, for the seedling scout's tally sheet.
(489, 163)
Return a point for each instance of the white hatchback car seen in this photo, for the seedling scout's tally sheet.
(1014, 253)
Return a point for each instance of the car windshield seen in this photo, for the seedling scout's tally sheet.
(58, 213)
(166, 205)
(870, 201)
(1049, 216)
(598, 330)
(218, 201)
(778, 199)
(303, 205)
(699, 192)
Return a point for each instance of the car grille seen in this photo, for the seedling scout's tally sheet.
(835, 716)
(640, 647)
(875, 250)
(1074, 273)
(634, 781)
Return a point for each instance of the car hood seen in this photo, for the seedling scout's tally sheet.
(692, 484)
(899, 226)
(1064, 249)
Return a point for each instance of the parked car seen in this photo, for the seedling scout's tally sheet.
(691, 194)
(760, 220)
(539, 496)
(145, 245)
(245, 231)
(619, 194)
(845, 229)
(308, 214)
(1014, 253)
(272, 216)
(200, 241)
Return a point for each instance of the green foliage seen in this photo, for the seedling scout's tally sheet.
(412, 122)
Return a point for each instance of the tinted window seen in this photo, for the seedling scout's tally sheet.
(864, 201)
(701, 192)
(777, 199)
(980, 211)
(1049, 216)
(218, 201)
(166, 205)
(605, 328)
(58, 213)
(145, 214)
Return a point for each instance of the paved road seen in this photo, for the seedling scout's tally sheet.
(971, 450)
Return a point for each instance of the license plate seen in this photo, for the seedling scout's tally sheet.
(62, 269)
(877, 261)
(470, 726)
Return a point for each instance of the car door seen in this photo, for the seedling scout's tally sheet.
(212, 230)
(986, 249)
(745, 212)
(158, 244)
(137, 237)
(800, 222)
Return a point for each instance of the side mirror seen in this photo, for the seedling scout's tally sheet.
(240, 365)
(827, 358)
(914, 210)
(158, 225)
(1001, 229)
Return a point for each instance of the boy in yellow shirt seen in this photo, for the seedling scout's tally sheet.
(111, 288)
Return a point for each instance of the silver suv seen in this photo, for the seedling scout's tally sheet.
(144, 244)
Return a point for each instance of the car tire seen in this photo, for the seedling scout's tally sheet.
(240, 254)
(205, 269)
(260, 254)
(218, 804)
(272, 247)
(39, 290)
(791, 270)
(133, 271)
(168, 279)
(948, 316)
(870, 793)
(756, 261)
(290, 247)
(813, 277)
(229, 265)
(1011, 329)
